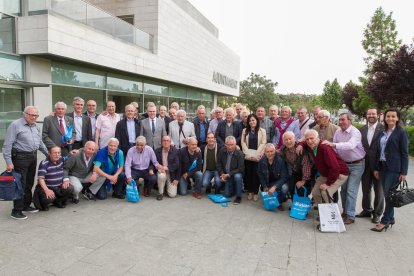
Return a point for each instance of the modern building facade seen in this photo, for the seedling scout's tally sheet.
(131, 50)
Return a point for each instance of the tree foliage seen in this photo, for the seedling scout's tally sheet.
(380, 37)
(257, 91)
(226, 101)
(332, 95)
(392, 82)
(356, 99)
(350, 92)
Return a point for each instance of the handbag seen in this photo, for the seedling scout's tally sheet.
(132, 194)
(270, 202)
(401, 195)
(10, 186)
(219, 199)
(300, 205)
(330, 217)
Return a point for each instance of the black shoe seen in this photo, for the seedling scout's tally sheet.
(364, 214)
(18, 215)
(45, 209)
(30, 209)
(281, 208)
(159, 197)
(88, 196)
(59, 204)
(208, 190)
(375, 219)
(75, 200)
(237, 201)
(118, 196)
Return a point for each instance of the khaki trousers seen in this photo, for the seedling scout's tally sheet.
(162, 179)
(316, 192)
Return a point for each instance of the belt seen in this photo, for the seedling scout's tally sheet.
(355, 162)
(25, 152)
(78, 142)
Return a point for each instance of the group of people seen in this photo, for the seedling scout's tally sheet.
(233, 151)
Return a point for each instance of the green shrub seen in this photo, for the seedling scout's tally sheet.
(410, 131)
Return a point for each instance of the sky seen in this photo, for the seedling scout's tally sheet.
(301, 44)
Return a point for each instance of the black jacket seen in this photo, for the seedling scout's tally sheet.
(173, 162)
(236, 165)
(279, 168)
(121, 133)
(196, 123)
(186, 160)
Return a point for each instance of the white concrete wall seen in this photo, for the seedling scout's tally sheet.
(186, 52)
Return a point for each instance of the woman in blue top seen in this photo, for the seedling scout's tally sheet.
(392, 160)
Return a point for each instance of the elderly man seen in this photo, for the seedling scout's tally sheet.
(347, 143)
(273, 174)
(55, 127)
(370, 133)
(218, 117)
(51, 187)
(228, 127)
(136, 115)
(325, 128)
(21, 143)
(91, 113)
(128, 129)
(181, 130)
(299, 165)
(164, 116)
(209, 167)
(304, 120)
(78, 171)
(315, 113)
(239, 109)
(153, 128)
(108, 164)
(190, 167)
(175, 105)
(173, 115)
(286, 123)
(332, 169)
(201, 126)
(273, 113)
(230, 166)
(138, 164)
(267, 125)
(168, 170)
(243, 119)
(81, 123)
(106, 125)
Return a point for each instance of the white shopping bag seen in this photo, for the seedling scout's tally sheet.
(330, 218)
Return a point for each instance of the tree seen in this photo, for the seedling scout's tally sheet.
(257, 91)
(332, 95)
(350, 92)
(392, 82)
(380, 38)
(226, 101)
(356, 99)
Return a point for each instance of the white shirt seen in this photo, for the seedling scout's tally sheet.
(371, 131)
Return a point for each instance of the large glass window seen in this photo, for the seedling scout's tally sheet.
(176, 91)
(192, 106)
(11, 67)
(158, 100)
(7, 33)
(208, 106)
(122, 99)
(155, 89)
(11, 106)
(10, 6)
(66, 94)
(193, 94)
(77, 76)
(116, 82)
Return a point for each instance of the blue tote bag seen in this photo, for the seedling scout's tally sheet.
(300, 205)
(270, 202)
(132, 194)
(219, 199)
(10, 186)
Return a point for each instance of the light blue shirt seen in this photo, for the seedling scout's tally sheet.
(78, 126)
(131, 130)
(383, 143)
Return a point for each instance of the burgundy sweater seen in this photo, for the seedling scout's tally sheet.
(328, 163)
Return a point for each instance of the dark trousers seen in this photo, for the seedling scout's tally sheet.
(389, 180)
(25, 164)
(368, 180)
(77, 145)
(293, 179)
(118, 187)
(61, 196)
(252, 181)
(149, 180)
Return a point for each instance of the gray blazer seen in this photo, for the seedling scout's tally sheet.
(153, 140)
(371, 150)
(176, 137)
(76, 166)
(51, 135)
(86, 128)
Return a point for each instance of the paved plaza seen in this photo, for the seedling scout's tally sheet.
(186, 236)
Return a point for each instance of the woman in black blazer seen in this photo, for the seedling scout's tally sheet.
(392, 160)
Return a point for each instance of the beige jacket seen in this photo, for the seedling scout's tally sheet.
(329, 131)
(261, 137)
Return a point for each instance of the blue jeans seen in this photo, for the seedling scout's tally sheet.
(205, 182)
(349, 190)
(103, 194)
(282, 190)
(183, 183)
(234, 184)
(388, 181)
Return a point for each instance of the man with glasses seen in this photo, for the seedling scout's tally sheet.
(325, 128)
(22, 141)
(218, 112)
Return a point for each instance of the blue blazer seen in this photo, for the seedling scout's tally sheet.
(221, 133)
(396, 151)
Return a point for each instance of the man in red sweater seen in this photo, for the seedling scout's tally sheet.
(332, 169)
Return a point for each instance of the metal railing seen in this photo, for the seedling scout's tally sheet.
(94, 17)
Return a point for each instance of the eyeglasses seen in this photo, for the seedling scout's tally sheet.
(32, 115)
(56, 153)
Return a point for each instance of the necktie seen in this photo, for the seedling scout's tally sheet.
(153, 126)
(62, 129)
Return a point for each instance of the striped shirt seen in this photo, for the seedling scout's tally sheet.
(51, 172)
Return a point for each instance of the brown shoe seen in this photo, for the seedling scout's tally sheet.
(281, 208)
(255, 197)
(196, 195)
(348, 220)
(249, 196)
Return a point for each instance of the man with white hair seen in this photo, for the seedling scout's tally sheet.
(190, 167)
(109, 164)
(181, 130)
(56, 127)
(175, 106)
(286, 123)
(128, 129)
(138, 164)
(228, 127)
(271, 132)
(218, 117)
(239, 109)
(81, 122)
(273, 113)
(325, 128)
